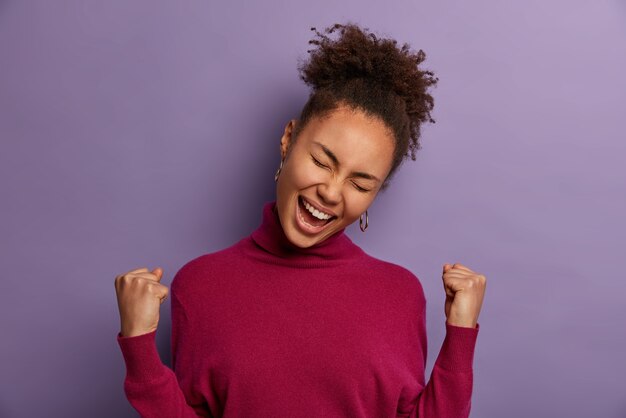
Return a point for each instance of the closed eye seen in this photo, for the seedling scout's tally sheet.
(359, 188)
(318, 163)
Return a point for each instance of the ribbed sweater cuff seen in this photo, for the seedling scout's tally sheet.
(141, 356)
(457, 350)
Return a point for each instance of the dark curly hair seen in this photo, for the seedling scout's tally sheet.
(364, 72)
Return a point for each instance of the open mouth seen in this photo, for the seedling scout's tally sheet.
(308, 221)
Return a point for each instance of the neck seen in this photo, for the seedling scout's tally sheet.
(276, 247)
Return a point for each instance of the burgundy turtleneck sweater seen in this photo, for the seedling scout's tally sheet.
(264, 328)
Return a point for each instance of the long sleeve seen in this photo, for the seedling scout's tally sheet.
(151, 387)
(264, 328)
(449, 390)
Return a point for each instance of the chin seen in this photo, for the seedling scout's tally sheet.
(297, 239)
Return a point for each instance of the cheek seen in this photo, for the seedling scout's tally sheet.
(303, 175)
(356, 208)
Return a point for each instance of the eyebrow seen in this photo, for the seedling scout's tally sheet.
(336, 161)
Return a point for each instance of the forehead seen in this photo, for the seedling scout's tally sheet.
(353, 136)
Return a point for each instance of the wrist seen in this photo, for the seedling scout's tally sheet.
(461, 323)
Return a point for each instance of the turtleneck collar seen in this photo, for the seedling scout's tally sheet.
(276, 248)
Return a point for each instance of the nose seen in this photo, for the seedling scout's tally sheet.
(330, 193)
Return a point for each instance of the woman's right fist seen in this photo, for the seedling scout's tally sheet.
(139, 297)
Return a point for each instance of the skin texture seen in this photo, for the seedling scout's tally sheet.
(360, 142)
(465, 291)
(139, 297)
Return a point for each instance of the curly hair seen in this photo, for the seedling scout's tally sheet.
(368, 73)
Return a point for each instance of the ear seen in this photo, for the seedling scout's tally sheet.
(285, 140)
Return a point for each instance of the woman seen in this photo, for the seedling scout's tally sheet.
(296, 320)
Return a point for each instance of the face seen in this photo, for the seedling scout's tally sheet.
(337, 165)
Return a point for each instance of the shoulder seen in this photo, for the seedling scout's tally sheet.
(402, 277)
(195, 271)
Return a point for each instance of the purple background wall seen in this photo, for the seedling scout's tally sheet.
(146, 133)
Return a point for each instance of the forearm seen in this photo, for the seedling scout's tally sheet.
(151, 387)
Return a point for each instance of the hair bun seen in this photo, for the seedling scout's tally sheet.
(357, 54)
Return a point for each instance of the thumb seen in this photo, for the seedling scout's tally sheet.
(446, 267)
(159, 273)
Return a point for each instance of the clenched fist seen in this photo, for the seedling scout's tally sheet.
(139, 297)
(465, 290)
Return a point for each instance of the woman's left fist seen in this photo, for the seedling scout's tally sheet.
(465, 290)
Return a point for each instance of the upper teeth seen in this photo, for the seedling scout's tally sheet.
(315, 212)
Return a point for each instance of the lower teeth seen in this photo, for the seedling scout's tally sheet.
(325, 221)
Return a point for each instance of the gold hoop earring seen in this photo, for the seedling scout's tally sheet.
(361, 222)
(278, 172)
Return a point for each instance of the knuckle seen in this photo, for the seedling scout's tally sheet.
(123, 280)
(153, 286)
